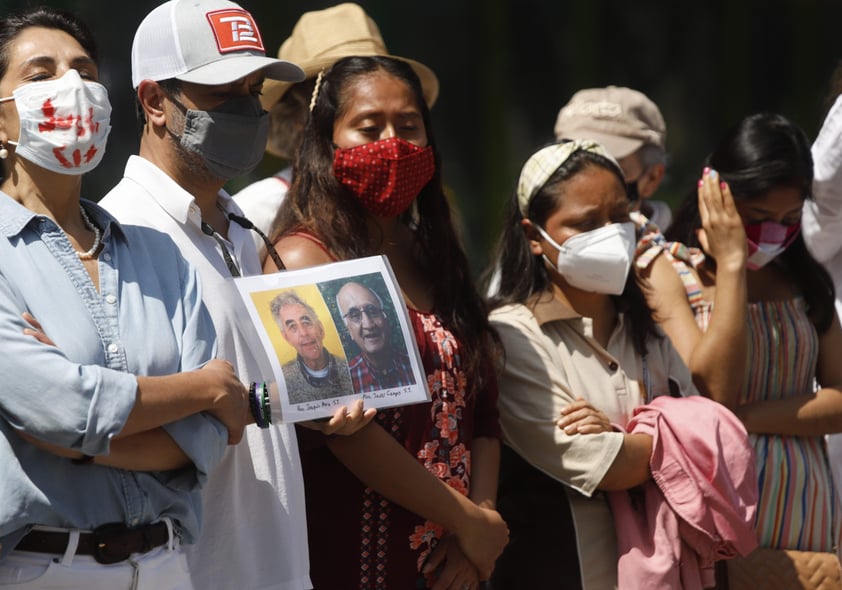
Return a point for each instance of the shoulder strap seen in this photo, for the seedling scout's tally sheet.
(679, 255)
(308, 236)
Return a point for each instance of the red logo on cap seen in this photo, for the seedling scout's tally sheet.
(235, 30)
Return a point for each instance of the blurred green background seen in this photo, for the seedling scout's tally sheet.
(507, 66)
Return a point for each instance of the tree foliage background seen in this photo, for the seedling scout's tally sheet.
(507, 66)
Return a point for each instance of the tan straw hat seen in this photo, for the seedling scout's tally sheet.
(322, 37)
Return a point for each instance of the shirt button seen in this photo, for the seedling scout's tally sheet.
(110, 299)
(612, 366)
(106, 257)
(112, 348)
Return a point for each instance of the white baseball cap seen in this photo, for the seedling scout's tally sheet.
(205, 42)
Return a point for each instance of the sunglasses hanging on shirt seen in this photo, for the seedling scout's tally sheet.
(226, 254)
(270, 248)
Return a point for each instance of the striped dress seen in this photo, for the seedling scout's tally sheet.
(798, 507)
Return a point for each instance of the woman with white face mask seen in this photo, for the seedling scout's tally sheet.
(112, 409)
(752, 313)
(581, 353)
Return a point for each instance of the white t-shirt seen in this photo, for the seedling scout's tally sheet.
(254, 534)
(821, 225)
(260, 202)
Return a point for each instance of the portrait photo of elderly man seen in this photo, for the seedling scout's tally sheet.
(315, 373)
(379, 364)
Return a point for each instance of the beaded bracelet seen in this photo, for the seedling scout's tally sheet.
(253, 406)
(261, 408)
(266, 404)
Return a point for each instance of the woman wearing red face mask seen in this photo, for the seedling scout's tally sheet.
(367, 182)
(752, 313)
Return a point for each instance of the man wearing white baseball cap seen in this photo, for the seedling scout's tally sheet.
(198, 68)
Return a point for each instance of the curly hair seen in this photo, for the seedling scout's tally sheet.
(318, 204)
(285, 298)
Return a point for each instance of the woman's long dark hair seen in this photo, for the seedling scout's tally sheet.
(318, 204)
(763, 152)
(523, 274)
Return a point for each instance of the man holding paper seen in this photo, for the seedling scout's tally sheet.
(198, 67)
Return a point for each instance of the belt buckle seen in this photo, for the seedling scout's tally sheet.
(110, 543)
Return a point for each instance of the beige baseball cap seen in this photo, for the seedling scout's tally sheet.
(621, 119)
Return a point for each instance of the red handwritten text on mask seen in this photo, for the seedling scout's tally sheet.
(83, 124)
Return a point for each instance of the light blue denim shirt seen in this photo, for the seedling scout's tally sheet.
(146, 319)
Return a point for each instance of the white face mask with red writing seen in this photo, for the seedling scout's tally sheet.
(64, 123)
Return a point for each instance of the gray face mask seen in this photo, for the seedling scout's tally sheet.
(230, 139)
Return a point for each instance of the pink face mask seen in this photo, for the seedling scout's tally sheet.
(767, 240)
(385, 175)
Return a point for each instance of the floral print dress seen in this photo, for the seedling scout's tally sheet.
(359, 539)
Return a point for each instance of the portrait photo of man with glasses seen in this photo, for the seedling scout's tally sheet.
(335, 334)
(379, 364)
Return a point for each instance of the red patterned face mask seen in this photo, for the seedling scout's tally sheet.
(385, 175)
(767, 240)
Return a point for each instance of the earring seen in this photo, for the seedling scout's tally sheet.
(4, 153)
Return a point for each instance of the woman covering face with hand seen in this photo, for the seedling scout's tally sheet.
(112, 411)
(581, 353)
(752, 313)
(366, 182)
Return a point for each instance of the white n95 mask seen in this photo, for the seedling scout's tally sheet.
(596, 261)
(64, 123)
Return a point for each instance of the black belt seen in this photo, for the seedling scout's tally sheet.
(109, 543)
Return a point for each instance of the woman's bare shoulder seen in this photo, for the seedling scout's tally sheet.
(298, 251)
